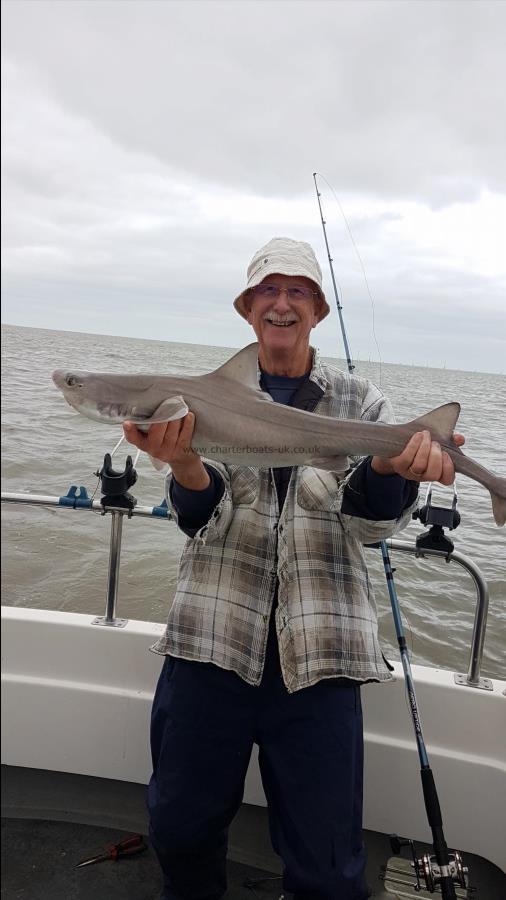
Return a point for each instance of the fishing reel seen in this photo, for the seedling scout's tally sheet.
(408, 879)
(438, 517)
(115, 485)
(428, 868)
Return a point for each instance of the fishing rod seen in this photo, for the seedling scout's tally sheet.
(349, 361)
(446, 870)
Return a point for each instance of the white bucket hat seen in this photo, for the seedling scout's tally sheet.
(283, 256)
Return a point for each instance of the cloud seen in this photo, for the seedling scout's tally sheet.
(376, 94)
(151, 148)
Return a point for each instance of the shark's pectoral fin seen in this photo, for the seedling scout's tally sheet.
(159, 464)
(337, 464)
(171, 409)
(440, 421)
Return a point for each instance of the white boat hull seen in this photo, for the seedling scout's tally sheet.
(76, 698)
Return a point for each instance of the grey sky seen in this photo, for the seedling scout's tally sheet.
(149, 148)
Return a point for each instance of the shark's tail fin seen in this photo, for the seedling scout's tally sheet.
(499, 501)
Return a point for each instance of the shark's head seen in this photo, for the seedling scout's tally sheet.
(84, 391)
(114, 399)
(71, 384)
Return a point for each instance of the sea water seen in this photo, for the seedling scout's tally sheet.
(55, 558)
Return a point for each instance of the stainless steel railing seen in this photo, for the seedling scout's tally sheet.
(43, 500)
(471, 679)
(76, 501)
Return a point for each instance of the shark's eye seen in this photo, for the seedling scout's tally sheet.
(71, 380)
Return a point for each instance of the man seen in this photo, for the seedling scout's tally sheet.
(273, 627)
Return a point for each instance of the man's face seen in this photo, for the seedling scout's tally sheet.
(283, 323)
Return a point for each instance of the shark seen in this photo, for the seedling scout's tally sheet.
(239, 424)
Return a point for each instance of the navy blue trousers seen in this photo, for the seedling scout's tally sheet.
(205, 721)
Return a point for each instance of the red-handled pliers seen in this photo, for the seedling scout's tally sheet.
(129, 847)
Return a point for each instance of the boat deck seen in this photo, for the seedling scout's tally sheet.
(39, 859)
(42, 843)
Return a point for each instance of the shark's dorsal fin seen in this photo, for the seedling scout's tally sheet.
(242, 367)
(440, 421)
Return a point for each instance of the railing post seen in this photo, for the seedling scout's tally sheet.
(472, 679)
(113, 574)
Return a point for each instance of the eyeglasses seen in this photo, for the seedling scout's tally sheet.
(272, 291)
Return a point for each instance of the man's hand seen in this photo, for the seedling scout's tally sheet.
(421, 460)
(171, 443)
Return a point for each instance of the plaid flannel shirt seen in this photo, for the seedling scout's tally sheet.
(312, 552)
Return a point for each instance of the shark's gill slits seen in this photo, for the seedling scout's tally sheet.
(113, 410)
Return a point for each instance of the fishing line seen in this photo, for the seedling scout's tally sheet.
(122, 438)
(352, 239)
(95, 491)
(99, 473)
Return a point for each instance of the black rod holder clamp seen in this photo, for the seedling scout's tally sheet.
(438, 518)
(115, 485)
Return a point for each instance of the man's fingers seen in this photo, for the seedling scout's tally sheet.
(410, 450)
(134, 436)
(424, 459)
(186, 433)
(448, 473)
(434, 464)
(164, 440)
(160, 431)
(156, 439)
(416, 453)
(151, 441)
